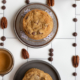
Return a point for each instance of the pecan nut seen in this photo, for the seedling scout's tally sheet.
(50, 2)
(25, 54)
(75, 61)
(3, 22)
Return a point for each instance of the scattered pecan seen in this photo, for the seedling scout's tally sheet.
(3, 22)
(25, 54)
(75, 61)
(50, 2)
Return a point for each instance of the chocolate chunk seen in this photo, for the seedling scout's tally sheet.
(51, 54)
(74, 44)
(74, 74)
(40, 33)
(33, 33)
(75, 19)
(3, 7)
(74, 5)
(74, 34)
(4, 1)
(3, 38)
(50, 59)
(27, 1)
(28, 32)
(51, 50)
(27, 17)
(1, 44)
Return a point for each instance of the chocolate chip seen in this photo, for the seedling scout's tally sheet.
(50, 59)
(28, 32)
(27, 17)
(33, 33)
(51, 54)
(74, 74)
(51, 50)
(3, 38)
(74, 44)
(3, 7)
(75, 19)
(1, 44)
(74, 5)
(74, 34)
(40, 33)
(4, 1)
(27, 1)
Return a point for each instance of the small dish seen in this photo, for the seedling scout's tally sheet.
(6, 62)
(18, 26)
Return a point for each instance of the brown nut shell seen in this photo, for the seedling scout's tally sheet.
(49, 2)
(3, 23)
(25, 54)
(52, 2)
(75, 61)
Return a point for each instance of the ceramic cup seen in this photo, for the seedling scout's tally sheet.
(6, 62)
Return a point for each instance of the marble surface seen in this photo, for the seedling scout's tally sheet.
(62, 44)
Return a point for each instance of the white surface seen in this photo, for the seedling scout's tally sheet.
(62, 44)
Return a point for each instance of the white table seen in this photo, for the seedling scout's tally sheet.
(62, 44)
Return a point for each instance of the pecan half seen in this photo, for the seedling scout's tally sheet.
(3, 22)
(50, 2)
(25, 54)
(75, 61)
